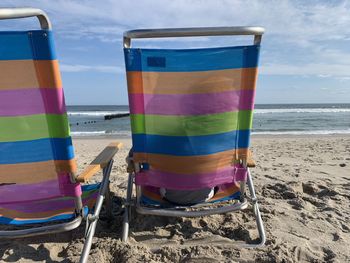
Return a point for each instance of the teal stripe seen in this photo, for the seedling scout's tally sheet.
(32, 127)
(190, 145)
(186, 60)
(177, 125)
(24, 45)
(36, 150)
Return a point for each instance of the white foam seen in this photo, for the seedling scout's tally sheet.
(316, 132)
(302, 110)
(87, 133)
(99, 133)
(94, 113)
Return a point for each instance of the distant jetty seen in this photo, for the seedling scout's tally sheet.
(114, 116)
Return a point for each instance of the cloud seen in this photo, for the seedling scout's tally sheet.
(87, 68)
(299, 22)
(302, 37)
(312, 69)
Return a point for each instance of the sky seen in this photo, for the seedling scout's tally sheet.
(305, 54)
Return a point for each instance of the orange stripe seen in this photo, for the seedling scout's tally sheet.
(48, 73)
(151, 195)
(190, 164)
(28, 173)
(134, 79)
(192, 82)
(227, 192)
(25, 74)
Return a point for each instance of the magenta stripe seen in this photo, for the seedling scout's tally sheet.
(191, 104)
(29, 192)
(31, 101)
(47, 205)
(191, 182)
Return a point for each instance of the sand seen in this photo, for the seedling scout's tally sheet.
(303, 188)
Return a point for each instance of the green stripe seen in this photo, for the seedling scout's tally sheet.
(87, 194)
(31, 127)
(175, 125)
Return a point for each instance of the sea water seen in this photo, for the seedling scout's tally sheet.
(295, 119)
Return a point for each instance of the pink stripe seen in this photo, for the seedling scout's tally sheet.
(31, 101)
(191, 104)
(63, 187)
(191, 182)
(46, 205)
(29, 192)
(68, 188)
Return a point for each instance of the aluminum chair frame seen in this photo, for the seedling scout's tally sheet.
(91, 219)
(180, 211)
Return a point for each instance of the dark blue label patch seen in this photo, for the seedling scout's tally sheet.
(158, 62)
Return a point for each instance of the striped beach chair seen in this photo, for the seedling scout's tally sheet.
(191, 117)
(39, 190)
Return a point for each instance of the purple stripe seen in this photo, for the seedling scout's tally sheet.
(31, 101)
(191, 104)
(191, 182)
(29, 192)
(47, 205)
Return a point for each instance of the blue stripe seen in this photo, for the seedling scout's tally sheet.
(36, 150)
(25, 45)
(177, 60)
(68, 217)
(10, 221)
(90, 187)
(190, 145)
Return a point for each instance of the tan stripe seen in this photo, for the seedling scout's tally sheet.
(30, 173)
(192, 82)
(24, 74)
(190, 164)
(40, 215)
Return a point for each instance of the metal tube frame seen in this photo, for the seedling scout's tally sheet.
(257, 32)
(22, 12)
(91, 220)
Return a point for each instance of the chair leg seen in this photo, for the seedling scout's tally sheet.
(257, 214)
(91, 220)
(127, 210)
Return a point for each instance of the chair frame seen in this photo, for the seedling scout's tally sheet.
(180, 211)
(103, 161)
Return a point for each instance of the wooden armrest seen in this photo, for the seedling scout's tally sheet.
(250, 160)
(100, 162)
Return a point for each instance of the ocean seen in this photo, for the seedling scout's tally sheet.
(295, 119)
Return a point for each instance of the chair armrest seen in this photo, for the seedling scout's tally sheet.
(250, 160)
(100, 162)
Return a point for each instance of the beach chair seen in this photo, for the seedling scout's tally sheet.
(191, 116)
(40, 192)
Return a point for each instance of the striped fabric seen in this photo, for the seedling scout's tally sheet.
(48, 210)
(151, 195)
(191, 114)
(36, 152)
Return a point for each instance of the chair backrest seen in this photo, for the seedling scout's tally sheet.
(191, 113)
(36, 152)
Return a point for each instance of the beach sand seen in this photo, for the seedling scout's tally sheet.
(303, 186)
